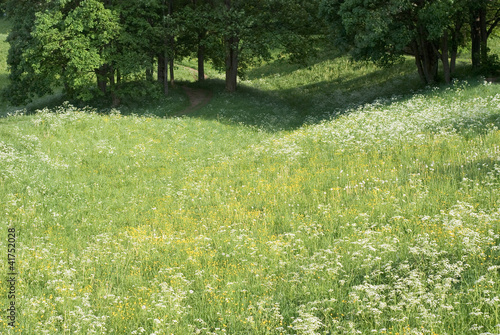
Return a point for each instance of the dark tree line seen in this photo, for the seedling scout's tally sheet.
(69, 43)
(429, 30)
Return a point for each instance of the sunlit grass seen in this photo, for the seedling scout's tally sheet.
(324, 213)
(385, 219)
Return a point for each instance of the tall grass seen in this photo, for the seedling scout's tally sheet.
(382, 220)
(260, 215)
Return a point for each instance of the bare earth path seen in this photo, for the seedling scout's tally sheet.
(198, 97)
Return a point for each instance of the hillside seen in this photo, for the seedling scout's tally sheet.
(334, 199)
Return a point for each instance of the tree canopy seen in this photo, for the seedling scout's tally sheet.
(429, 30)
(70, 43)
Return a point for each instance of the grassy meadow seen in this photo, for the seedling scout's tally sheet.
(337, 198)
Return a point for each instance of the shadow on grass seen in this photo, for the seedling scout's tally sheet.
(282, 66)
(279, 67)
(471, 128)
(149, 102)
(49, 101)
(268, 110)
(289, 109)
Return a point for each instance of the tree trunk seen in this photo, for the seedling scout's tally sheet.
(484, 35)
(150, 69)
(172, 82)
(201, 55)
(432, 64)
(165, 74)
(68, 89)
(475, 35)
(453, 59)
(445, 57)
(112, 84)
(231, 58)
(231, 64)
(201, 62)
(161, 68)
(418, 61)
(427, 63)
(149, 74)
(118, 77)
(111, 77)
(171, 43)
(102, 78)
(456, 37)
(428, 58)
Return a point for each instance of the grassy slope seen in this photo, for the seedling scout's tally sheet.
(279, 211)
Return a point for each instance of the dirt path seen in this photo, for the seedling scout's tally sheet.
(198, 97)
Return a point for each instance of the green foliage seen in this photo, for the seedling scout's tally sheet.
(491, 66)
(371, 30)
(198, 28)
(62, 45)
(251, 30)
(384, 31)
(141, 36)
(22, 79)
(69, 48)
(73, 43)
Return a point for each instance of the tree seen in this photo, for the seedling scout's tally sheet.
(234, 34)
(140, 36)
(67, 44)
(197, 37)
(146, 39)
(70, 43)
(250, 30)
(73, 42)
(384, 31)
(443, 23)
(485, 17)
(22, 79)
